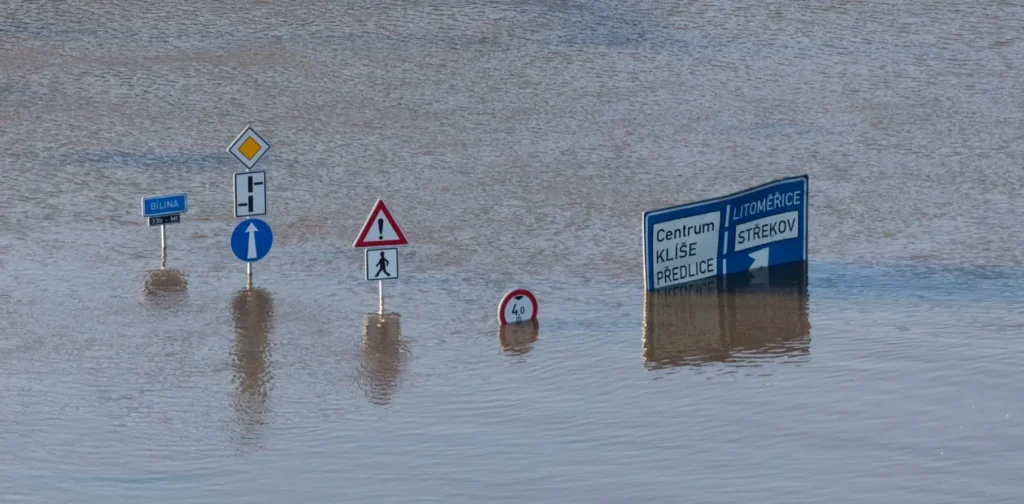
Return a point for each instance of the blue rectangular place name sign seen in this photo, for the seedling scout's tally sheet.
(170, 204)
(759, 227)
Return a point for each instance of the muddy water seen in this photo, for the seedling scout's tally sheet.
(517, 143)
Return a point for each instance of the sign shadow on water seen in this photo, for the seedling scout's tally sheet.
(750, 319)
(518, 339)
(382, 358)
(252, 311)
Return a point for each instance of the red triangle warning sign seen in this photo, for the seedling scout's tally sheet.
(380, 229)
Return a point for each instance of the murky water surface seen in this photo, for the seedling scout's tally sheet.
(517, 143)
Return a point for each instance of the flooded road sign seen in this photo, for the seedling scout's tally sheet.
(380, 229)
(382, 264)
(250, 198)
(752, 229)
(154, 206)
(163, 210)
(248, 147)
(517, 306)
(250, 193)
(251, 240)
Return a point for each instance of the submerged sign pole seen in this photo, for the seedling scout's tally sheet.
(756, 228)
(163, 210)
(163, 248)
(248, 147)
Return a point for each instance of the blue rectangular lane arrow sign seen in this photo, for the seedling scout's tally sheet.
(170, 204)
(761, 226)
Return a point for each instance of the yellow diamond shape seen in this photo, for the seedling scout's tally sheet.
(249, 148)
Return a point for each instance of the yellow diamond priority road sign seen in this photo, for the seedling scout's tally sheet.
(249, 147)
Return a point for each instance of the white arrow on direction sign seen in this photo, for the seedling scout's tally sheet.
(252, 241)
(760, 261)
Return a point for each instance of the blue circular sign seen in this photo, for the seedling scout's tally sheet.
(251, 240)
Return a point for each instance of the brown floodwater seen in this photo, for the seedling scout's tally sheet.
(517, 144)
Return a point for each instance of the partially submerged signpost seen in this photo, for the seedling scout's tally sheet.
(752, 229)
(250, 241)
(162, 210)
(517, 306)
(380, 230)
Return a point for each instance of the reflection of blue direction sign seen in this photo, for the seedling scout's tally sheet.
(251, 240)
(759, 227)
(164, 205)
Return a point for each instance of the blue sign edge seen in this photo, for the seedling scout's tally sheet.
(144, 198)
(648, 276)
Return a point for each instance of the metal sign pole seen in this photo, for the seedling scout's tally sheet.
(248, 265)
(163, 248)
(380, 287)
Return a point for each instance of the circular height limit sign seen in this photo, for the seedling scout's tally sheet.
(517, 306)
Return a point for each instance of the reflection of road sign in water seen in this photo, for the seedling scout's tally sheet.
(517, 306)
(249, 147)
(760, 227)
(250, 193)
(251, 240)
(382, 264)
(765, 317)
(171, 204)
(516, 339)
(383, 357)
(380, 229)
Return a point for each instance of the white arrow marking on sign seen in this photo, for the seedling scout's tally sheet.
(760, 259)
(252, 240)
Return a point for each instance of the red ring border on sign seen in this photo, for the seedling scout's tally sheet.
(508, 297)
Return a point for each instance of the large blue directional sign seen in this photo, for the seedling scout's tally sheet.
(251, 240)
(762, 226)
(171, 204)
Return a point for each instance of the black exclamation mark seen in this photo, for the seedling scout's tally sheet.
(380, 228)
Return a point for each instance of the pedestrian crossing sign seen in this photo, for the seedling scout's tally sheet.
(382, 264)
